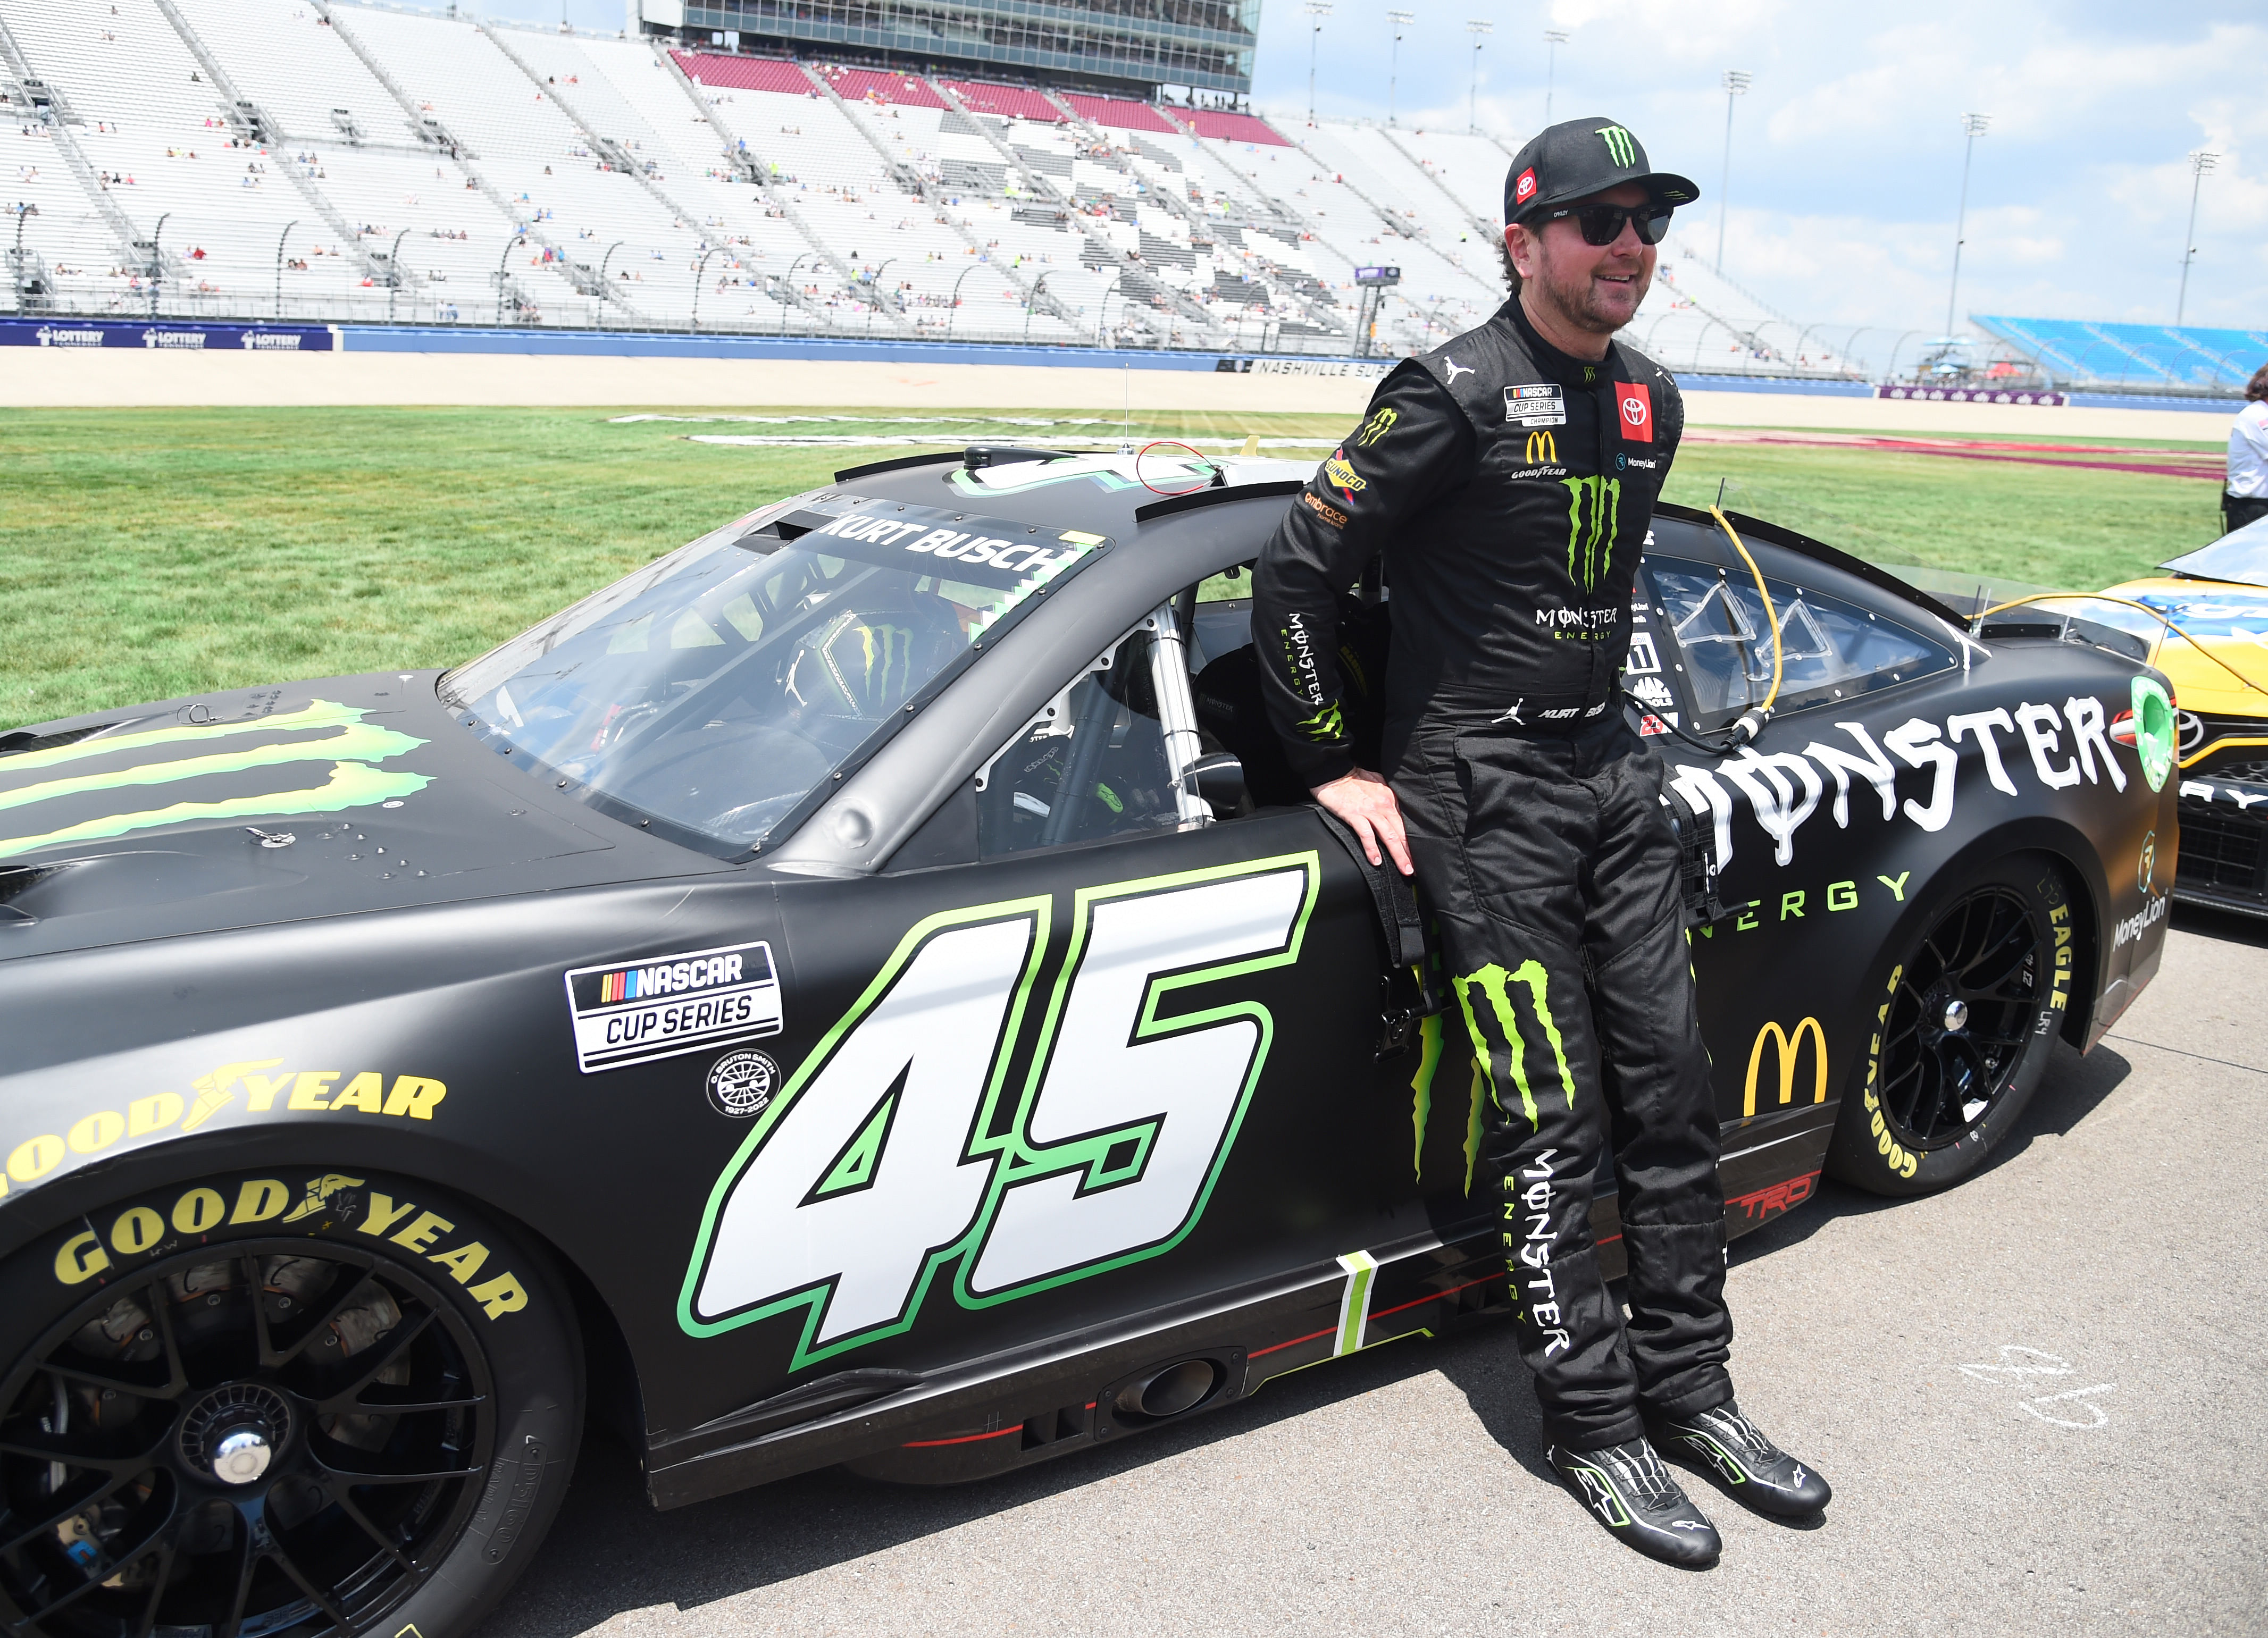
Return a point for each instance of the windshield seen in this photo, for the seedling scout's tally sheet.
(2241, 556)
(716, 690)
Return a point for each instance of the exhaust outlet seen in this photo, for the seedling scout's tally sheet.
(1176, 1388)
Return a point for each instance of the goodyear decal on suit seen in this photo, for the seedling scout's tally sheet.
(113, 785)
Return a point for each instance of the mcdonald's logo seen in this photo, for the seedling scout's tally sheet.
(1786, 1045)
(1543, 449)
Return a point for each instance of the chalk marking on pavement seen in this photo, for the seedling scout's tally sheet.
(2039, 1363)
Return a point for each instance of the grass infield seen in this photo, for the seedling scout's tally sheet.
(151, 553)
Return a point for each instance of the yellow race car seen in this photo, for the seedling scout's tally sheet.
(2207, 627)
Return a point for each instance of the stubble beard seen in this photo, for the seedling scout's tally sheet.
(1579, 304)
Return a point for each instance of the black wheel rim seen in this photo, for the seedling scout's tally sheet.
(270, 1439)
(1964, 1010)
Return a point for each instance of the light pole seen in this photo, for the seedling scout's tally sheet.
(1401, 20)
(1478, 28)
(874, 292)
(786, 286)
(1318, 10)
(1890, 370)
(1031, 301)
(1972, 126)
(280, 238)
(2203, 160)
(603, 286)
(1553, 38)
(1102, 312)
(700, 277)
(1736, 86)
(393, 272)
(954, 312)
(517, 238)
(157, 260)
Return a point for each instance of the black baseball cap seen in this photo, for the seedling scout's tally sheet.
(1576, 159)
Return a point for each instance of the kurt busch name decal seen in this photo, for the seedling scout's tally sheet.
(635, 1012)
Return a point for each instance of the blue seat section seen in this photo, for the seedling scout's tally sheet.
(2135, 355)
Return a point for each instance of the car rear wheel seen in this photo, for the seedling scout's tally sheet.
(1965, 1022)
(226, 1418)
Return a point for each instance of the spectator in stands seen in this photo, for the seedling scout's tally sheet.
(2246, 499)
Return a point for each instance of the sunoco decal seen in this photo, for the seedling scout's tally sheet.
(635, 1012)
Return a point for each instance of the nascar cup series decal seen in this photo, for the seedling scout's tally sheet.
(635, 1012)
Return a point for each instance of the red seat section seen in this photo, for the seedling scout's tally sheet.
(1228, 128)
(744, 73)
(1009, 101)
(1120, 114)
(868, 86)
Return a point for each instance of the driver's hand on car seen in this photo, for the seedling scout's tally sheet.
(1366, 803)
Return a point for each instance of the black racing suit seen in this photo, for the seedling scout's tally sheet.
(1510, 488)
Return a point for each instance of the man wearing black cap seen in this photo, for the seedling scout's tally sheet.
(1509, 478)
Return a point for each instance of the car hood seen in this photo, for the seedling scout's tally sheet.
(2224, 672)
(235, 809)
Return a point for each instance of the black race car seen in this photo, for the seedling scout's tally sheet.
(864, 989)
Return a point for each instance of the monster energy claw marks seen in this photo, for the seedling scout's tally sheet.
(1620, 147)
(1593, 506)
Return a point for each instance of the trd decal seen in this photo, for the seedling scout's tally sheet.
(885, 1158)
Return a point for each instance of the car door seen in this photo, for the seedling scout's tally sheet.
(1812, 886)
(1113, 1057)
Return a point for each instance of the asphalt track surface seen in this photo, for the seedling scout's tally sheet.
(2042, 1399)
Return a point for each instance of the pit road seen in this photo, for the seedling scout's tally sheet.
(2041, 1397)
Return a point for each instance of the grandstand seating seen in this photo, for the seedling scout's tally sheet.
(2152, 357)
(523, 172)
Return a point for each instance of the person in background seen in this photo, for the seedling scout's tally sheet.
(2245, 500)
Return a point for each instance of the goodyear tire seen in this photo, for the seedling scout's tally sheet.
(289, 1402)
(1965, 1021)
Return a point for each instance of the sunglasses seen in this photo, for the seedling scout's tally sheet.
(1602, 225)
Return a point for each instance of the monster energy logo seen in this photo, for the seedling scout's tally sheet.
(1325, 726)
(1594, 511)
(1621, 147)
(1495, 986)
(1381, 421)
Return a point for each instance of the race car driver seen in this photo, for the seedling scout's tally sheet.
(1508, 479)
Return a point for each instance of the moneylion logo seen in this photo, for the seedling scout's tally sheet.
(1786, 1048)
(1543, 449)
(1593, 506)
(1622, 147)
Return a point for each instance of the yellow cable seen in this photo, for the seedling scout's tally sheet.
(2100, 596)
(1772, 620)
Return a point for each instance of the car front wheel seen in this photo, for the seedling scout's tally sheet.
(1965, 1022)
(303, 1404)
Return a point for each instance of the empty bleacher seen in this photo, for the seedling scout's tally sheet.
(367, 162)
(2153, 357)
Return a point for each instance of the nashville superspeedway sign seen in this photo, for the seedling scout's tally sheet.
(883, 1159)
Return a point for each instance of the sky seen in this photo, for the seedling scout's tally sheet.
(1846, 150)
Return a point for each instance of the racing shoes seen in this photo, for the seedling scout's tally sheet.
(1633, 1494)
(1748, 1467)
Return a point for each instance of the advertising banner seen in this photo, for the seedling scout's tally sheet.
(173, 334)
(1973, 395)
